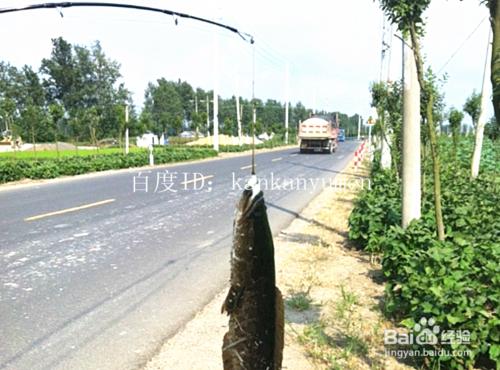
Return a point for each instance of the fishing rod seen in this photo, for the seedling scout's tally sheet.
(69, 4)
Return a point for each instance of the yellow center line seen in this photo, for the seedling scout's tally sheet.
(247, 167)
(197, 179)
(73, 209)
(276, 159)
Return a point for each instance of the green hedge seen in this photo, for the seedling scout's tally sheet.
(274, 143)
(12, 170)
(457, 282)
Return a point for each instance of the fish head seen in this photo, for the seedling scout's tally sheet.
(252, 196)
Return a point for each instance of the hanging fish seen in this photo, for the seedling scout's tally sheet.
(254, 340)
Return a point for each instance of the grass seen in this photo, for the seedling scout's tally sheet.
(39, 154)
(299, 301)
(344, 309)
(334, 340)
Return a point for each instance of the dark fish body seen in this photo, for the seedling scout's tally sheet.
(254, 340)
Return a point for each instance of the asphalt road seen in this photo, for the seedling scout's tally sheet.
(95, 275)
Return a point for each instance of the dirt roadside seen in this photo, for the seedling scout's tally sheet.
(332, 298)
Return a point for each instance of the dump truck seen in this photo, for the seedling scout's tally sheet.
(318, 135)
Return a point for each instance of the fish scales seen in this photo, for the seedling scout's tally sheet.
(254, 340)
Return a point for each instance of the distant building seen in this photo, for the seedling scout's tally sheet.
(189, 134)
(146, 139)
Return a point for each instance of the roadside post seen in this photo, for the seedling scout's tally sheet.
(126, 130)
(151, 156)
(370, 122)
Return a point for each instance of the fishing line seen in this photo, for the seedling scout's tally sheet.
(67, 4)
(253, 102)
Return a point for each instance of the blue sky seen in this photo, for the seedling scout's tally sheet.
(333, 47)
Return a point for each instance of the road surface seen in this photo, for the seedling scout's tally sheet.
(96, 272)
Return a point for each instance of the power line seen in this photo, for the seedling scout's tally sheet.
(462, 45)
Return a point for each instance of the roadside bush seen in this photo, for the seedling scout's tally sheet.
(273, 143)
(456, 281)
(375, 210)
(13, 170)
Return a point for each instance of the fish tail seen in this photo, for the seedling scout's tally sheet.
(279, 340)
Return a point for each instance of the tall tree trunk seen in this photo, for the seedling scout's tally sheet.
(481, 122)
(411, 190)
(33, 138)
(436, 167)
(454, 136)
(495, 56)
(424, 160)
(432, 134)
(385, 145)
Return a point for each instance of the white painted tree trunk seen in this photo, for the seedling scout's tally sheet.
(411, 205)
(481, 122)
(385, 161)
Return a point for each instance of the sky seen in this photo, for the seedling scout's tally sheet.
(332, 48)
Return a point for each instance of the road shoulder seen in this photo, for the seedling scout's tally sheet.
(332, 295)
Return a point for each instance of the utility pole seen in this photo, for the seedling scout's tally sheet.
(481, 122)
(216, 95)
(196, 111)
(314, 101)
(238, 112)
(208, 116)
(287, 98)
(411, 204)
(359, 127)
(126, 130)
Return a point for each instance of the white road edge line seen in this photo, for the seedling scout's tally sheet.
(276, 159)
(197, 179)
(67, 210)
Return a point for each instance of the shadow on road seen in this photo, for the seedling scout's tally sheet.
(308, 220)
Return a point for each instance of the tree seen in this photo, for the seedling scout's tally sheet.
(472, 107)
(228, 127)
(494, 8)
(300, 113)
(163, 107)
(407, 14)
(186, 93)
(80, 78)
(492, 129)
(455, 118)
(31, 105)
(382, 101)
(60, 72)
